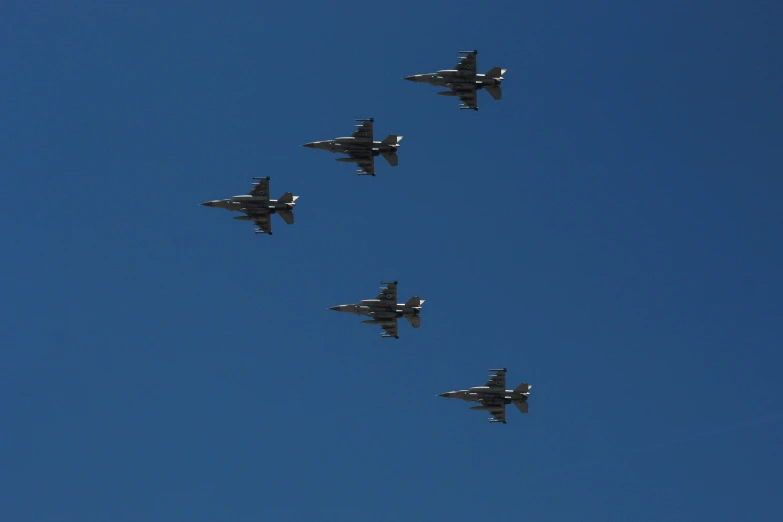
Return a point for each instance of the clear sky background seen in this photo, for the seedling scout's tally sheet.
(610, 232)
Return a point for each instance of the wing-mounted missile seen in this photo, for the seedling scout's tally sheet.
(465, 107)
(474, 51)
(497, 420)
(388, 283)
(364, 120)
(495, 370)
(362, 173)
(259, 231)
(259, 179)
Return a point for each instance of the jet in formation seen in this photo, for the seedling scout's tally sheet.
(257, 206)
(361, 149)
(384, 310)
(494, 396)
(464, 82)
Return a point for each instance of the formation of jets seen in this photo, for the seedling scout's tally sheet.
(361, 148)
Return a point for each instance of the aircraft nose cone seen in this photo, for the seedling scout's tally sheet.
(410, 78)
(335, 308)
(207, 203)
(444, 394)
(309, 145)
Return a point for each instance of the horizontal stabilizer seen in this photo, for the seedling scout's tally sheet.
(393, 159)
(523, 388)
(392, 139)
(521, 406)
(287, 198)
(496, 72)
(494, 91)
(414, 302)
(287, 216)
(415, 320)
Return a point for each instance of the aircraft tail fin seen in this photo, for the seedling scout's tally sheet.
(494, 91)
(521, 406)
(287, 216)
(392, 139)
(393, 159)
(415, 320)
(414, 302)
(523, 388)
(287, 198)
(496, 72)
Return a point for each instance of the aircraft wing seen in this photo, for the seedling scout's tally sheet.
(261, 188)
(497, 379)
(390, 328)
(467, 94)
(388, 294)
(498, 413)
(263, 221)
(467, 63)
(364, 160)
(364, 131)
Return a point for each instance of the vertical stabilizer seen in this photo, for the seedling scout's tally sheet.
(496, 72)
(287, 198)
(392, 139)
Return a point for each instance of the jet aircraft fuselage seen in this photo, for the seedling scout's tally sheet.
(463, 81)
(258, 207)
(493, 396)
(247, 201)
(378, 309)
(480, 393)
(350, 143)
(384, 310)
(362, 148)
(449, 77)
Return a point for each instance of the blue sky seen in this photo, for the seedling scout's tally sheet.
(609, 232)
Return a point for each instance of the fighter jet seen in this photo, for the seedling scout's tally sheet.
(384, 310)
(463, 81)
(494, 396)
(361, 148)
(257, 206)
